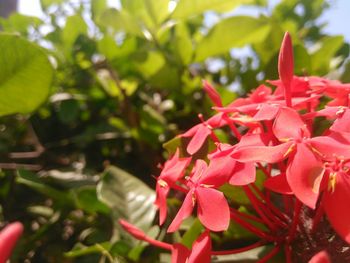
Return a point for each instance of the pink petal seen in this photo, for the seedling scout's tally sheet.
(219, 171)
(184, 212)
(286, 61)
(304, 175)
(198, 139)
(343, 123)
(270, 154)
(162, 191)
(244, 174)
(179, 253)
(212, 93)
(198, 170)
(201, 249)
(320, 257)
(337, 206)
(288, 124)
(213, 210)
(267, 112)
(216, 121)
(278, 184)
(254, 140)
(8, 238)
(174, 168)
(328, 147)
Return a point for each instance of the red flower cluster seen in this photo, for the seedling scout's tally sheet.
(274, 131)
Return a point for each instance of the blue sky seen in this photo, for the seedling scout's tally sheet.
(337, 16)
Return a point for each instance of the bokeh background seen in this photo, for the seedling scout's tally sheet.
(93, 93)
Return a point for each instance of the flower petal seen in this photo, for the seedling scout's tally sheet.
(288, 124)
(244, 174)
(304, 175)
(219, 171)
(198, 139)
(8, 238)
(213, 209)
(320, 257)
(162, 191)
(179, 253)
(212, 93)
(184, 212)
(278, 184)
(328, 147)
(286, 61)
(270, 154)
(267, 112)
(201, 249)
(336, 205)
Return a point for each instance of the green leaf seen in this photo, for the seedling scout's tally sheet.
(120, 21)
(153, 63)
(302, 60)
(128, 197)
(236, 31)
(192, 233)
(19, 23)
(150, 12)
(25, 75)
(81, 250)
(237, 195)
(86, 199)
(75, 26)
(33, 181)
(187, 8)
(46, 3)
(183, 43)
(346, 74)
(68, 111)
(321, 59)
(97, 8)
(171, 145)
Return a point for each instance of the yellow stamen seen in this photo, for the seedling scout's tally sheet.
(332, 181)
(162, 183)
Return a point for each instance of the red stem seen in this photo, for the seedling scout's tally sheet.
(295, 221)
(258, 207)
(249, 217)
(277, 212)
(158, 243)
(252, 228)
(232, 127)
(271, 254)
(288, 253)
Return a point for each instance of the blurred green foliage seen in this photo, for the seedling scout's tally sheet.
(87, 86)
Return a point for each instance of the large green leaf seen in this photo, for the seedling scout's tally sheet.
(74, 27)
(321, 59)
(46, 3)
(25, 75)
(120, 20)
(236, 31)
(187, 8)
(128, 197)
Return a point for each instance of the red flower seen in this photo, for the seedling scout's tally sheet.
(213, 210)
(173, 169)
(305, 168)
(320, 257)
(200, 252)
(8, 238)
